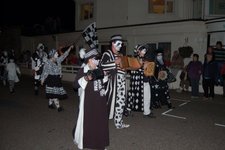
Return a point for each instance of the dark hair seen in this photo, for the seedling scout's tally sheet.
(196, 55)
(219, 43)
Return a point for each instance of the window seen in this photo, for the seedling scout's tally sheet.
(86, 11)
(166, 46)
(161, 6)
(217, 7)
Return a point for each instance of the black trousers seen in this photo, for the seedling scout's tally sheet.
(208, 87)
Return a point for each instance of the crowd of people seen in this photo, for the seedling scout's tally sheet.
(101, 83)
(191, 71)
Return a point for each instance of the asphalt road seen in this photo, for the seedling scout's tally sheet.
(26, 123)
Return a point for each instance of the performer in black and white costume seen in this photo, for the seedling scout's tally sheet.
(37, 62)
(4, 60)
(160, 88)
(92, 129)
(136, 92)
(139, 96)
(116, 86)
(52, 74)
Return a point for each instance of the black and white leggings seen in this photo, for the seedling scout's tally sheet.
(120, 100)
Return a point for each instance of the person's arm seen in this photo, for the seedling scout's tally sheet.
(106, 62)
(62, 57)
(18, 70)
(80, 80)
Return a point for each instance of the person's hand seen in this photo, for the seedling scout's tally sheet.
(88, 77)
(42, 82)
(118, 60)
(71, 47)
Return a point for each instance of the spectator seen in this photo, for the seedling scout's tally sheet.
(220, 59)
(194, 70)
(177, 64)
(210, 72)
(223, 76)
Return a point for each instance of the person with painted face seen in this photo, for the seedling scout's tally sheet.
(92, 130)
(139, 95)
(116, 86)
(37, 62)
(159, 85)
(51, 75)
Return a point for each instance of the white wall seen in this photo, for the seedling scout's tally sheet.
(175, 33)
(111, 13)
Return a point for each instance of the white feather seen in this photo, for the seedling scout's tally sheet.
(82, 53)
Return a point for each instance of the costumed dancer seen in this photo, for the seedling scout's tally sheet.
(159, 85)
(136, 92)
(139, 96)
(37, 62)
(52, 74)
(12, 71)
(116, 86)
(92, 129)
(3, 62)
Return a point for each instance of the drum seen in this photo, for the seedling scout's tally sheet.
(149, 68)
(129, 63)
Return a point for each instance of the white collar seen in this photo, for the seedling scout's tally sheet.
(86, 68)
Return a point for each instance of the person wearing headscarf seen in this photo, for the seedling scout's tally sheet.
(91, 129)
(37, 62)
(51, 75)
(116, 86)
(159, 84)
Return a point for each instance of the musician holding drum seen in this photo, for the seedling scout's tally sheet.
(160, 89)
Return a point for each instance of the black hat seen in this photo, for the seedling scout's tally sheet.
(116, 37)
(159, 50)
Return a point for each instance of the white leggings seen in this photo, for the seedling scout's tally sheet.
(55, 100)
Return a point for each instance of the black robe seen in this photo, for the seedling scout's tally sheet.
(95, 116)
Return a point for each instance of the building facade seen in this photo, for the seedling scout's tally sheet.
(168, 24)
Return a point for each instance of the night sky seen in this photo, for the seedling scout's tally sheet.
(30, 12)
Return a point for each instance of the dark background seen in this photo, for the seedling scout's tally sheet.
(34, 15)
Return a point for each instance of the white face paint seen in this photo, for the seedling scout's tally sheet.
(160, 59)
(56, 55)
(117, 45)
(96, 62)
(143, 51)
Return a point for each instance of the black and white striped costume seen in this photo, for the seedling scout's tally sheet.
(37, 61)
(116, 87)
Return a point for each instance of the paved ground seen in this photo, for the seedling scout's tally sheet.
(26, 123)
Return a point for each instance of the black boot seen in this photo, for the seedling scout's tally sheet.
(51, 106)
(60, 109)
(170, 106)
